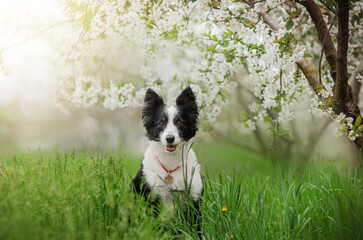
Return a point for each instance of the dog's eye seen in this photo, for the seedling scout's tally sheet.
(161, 124)
(179, 123)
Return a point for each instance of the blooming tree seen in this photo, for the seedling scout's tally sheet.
(176, 43)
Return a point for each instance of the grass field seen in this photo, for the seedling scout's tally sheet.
(86, 196)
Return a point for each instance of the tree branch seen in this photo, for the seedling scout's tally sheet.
(326, 5)
(266, 17)
(323, 33)
(341, 85)
(302, 63)
(271, 22)
(322, 49)
(342, 91)
(356, 85)
(5, 48)
(310, 75)
(235, 142)
(257, 132)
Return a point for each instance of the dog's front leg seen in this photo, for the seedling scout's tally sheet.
(140, 187)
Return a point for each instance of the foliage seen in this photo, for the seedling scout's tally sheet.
(203, 44)
(76, 196)
(69, 196)
(316, 206)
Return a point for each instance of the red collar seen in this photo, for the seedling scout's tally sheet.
(166, 170)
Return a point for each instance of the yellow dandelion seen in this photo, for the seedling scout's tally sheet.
(231, 236)
(108, 227)
(224, 209)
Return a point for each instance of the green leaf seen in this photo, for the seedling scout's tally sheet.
(222, 96)
(283, 133)
(261, 47)
(286, 38)
(272, 130)
(225, 44)
(267, 119)
(243, 114)
(358, 120)
(276, 110)
(307, 55)
(289, 24)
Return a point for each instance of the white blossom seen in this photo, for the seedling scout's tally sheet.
(168, 45)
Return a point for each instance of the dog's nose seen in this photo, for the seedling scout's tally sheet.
(170, 138)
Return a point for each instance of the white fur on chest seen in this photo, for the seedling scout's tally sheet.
(155, 174)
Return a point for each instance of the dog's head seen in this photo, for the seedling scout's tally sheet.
(170, 124)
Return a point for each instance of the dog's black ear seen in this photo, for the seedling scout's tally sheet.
(186, 96)
(187, 102)
(151, 97)
(152, 102)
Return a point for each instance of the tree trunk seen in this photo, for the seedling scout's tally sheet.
(343, 97)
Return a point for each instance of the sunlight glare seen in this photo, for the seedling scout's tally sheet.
(28, 44)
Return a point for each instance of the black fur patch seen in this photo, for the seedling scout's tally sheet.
(153, 115)
(140, 186)
(188, 113)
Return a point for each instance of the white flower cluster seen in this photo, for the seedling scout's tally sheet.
(354, 129)
(198, 43)
(118, 97)
(86, 92)
(359, 78)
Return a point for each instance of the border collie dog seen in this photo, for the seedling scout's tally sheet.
(169, 162)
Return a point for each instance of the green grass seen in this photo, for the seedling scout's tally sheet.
(54, 196)
(86, 196)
